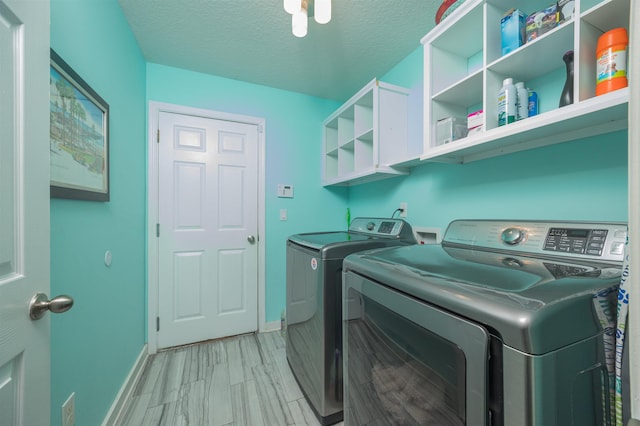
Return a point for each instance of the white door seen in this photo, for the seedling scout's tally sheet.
(24, 210)
(208, 225)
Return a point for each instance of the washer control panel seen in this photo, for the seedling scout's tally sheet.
(577, 240)
(603, 241)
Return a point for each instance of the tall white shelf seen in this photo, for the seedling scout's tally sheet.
(366, 136)
(464, 70)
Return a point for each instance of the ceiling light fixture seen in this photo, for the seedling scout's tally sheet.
(292, 6)
(300, 10)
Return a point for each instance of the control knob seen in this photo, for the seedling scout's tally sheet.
(371, 226)
(513, 236)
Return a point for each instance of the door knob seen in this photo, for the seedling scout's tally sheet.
(251, 239)
(40, 304)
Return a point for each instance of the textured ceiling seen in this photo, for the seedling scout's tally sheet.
(251, 40)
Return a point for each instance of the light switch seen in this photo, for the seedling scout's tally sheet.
(283, 214)
(285, 190)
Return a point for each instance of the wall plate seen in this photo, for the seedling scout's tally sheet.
(285, 190)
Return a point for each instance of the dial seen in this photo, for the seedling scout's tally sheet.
(371, 226)
(513, 236)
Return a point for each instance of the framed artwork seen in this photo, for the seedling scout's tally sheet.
(79, 136)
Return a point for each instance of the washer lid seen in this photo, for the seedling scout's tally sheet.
(319, 240)
(361, 229)
(536, 305)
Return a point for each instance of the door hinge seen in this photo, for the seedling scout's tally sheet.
(157, 323)
(158, 137)
(158, 230)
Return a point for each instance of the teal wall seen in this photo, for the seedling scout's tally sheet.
(581, 180)
(293, 153)
(95, 344)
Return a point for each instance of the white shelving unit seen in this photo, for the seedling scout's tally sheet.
(464, 70)
(366, 136)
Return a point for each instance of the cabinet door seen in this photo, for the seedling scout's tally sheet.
(366, 136)
(393, 126)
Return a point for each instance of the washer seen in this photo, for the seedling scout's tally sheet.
(504, 323)
(314, 305)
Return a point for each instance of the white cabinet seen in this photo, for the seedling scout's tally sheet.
(465, 68)
(366, 136)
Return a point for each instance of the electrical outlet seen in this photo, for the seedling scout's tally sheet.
(403, 207)
(69, 411)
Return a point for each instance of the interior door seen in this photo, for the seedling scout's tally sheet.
(208, 224)
(24, 210)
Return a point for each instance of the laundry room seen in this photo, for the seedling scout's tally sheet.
(324, 159)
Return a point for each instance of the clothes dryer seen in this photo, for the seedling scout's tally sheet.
(504, 323)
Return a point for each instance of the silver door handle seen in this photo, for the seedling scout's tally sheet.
(251, 239)
(40, 304)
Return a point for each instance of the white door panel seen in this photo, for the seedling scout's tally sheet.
(208, 207)
(24, 210)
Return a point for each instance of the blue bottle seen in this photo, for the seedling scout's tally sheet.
(533, 103)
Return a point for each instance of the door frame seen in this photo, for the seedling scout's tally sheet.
(155, 108)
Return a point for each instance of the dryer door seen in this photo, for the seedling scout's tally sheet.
(410, 363)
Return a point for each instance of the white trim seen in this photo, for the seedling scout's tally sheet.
(152, 207)
(270, 326)
(633, 324)
(117, 410)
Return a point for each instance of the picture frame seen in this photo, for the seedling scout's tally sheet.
(79, 136)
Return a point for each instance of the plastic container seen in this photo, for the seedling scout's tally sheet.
(522, 101)
(611, 62)
(450, 129)
(507, 102)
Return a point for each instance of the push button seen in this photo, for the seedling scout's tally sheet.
(617, 248)
(620, 234)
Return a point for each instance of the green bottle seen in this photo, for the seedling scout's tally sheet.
(348, 218)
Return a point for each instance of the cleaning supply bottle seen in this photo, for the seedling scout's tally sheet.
(507, 102)
(611, 62)
(522, 101)
(533, 103)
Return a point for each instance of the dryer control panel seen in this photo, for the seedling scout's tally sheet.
(602, 241)
(381, 227)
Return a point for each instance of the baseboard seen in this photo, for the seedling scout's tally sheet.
(119, 404)
(270, 326)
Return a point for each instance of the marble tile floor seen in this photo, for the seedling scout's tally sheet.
(241, 380)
